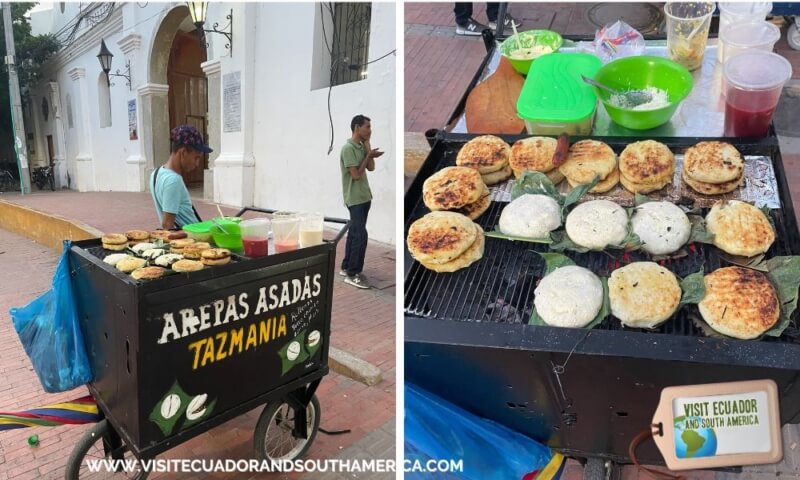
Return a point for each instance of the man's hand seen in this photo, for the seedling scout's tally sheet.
(375, 153)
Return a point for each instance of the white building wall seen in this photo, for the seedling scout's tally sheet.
(292, 167)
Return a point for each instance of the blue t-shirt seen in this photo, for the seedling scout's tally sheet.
(171, 195)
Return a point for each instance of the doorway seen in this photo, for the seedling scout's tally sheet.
(188, 93)
(51, 151)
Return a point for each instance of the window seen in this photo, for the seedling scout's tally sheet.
(69, 110)
(341, 43)
(104, 100)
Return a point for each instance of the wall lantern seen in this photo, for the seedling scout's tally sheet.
(198, 11)
(105, 57)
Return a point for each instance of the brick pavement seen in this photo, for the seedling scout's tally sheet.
(345, 403)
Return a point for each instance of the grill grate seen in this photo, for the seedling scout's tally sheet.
(499, 287)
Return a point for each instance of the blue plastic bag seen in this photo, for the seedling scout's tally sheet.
(49, 330)
(438, 430)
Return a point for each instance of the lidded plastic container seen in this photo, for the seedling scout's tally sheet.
(758, 35)
(554, 99)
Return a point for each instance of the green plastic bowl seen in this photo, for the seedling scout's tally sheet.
(232, 240)
(635, 73)
(528, 39)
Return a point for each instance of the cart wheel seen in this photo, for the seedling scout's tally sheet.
(274, 438)
(595, 469)
(90, 447)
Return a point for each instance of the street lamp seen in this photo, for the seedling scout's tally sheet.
(199, 11)
(105, 57)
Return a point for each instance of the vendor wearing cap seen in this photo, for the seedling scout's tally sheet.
(170, 195)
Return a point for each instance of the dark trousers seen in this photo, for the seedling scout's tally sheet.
(356, 246)
(463, 11)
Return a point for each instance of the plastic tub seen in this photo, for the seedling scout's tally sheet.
(554, 99)
(735, 12)
(231, 238)
(200, 231)
(758, 35)
(529, 39)
(636, 73)
(687, 31)
(754, 80)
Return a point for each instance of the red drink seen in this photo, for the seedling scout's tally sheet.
(744, 123)
(255, 247)
(281, 247)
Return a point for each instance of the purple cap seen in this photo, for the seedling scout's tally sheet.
(187, 135)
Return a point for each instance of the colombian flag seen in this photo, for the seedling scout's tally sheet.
(551, 471)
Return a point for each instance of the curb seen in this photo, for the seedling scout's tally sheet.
(43, 228)
(347, 364)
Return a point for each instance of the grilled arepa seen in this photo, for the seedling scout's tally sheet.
(588, 159)
(470, 255)
(485, 154)
(597, 224)
(114, 241)
(603, 185)
(533, 154)
(569, 297)
(739, 302)
(440, 237)
(643, 188)
(661, 226)
(148, 273)
(739, 228)
(476, 209)
(452, 187)
(496, 177)
(127, 265)
(713, 162)
(643, 294)
(647, 163)
(711, 188)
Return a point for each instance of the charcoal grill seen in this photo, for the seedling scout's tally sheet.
(586, 393)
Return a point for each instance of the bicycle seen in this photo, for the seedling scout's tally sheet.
(8, 182)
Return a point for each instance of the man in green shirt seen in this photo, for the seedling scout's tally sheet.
(355, 159)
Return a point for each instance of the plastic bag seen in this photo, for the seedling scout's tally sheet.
(438, 430)
(617, 40)
(51, 335)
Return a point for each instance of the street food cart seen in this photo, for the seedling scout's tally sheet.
(175, 357)
(587, 392)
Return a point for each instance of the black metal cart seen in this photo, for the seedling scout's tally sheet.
(176, 357)
(586, 393)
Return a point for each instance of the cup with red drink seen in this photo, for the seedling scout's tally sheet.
(255, 236)
(754, 80)
(285, 232)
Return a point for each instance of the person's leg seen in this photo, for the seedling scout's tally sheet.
(358, 232)
(463, 11)
(492, 9)
(361, 250)
(348, 247)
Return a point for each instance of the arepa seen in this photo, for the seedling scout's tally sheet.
(496, 177)
(603, 185)
(533, 154)
(570, 296)
(711, 188)
(440, 237)
(643, 294)
(647, 162)
(470, 255)
(739, 228)
(476, 209)
(587, 159)
(597, 224)
(485, 153)
(713, 162)
(739, 302)
(662, 227)
(530, 216)
(452, 187)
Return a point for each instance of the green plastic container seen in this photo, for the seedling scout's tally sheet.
(554, 99)
(201, 231)
(232, 240)
(527, 40)
(635, 73)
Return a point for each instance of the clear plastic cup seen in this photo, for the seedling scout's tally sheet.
(311, 227)
(285, 233)
(754, 80)
(255, 237)
(687, 31)
(735, 12)
(758, 35)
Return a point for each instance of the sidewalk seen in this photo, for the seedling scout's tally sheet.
(346, 404)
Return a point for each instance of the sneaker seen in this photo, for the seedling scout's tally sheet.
(357, 281)
(471, 28)
(342, 273)
(507, 24)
